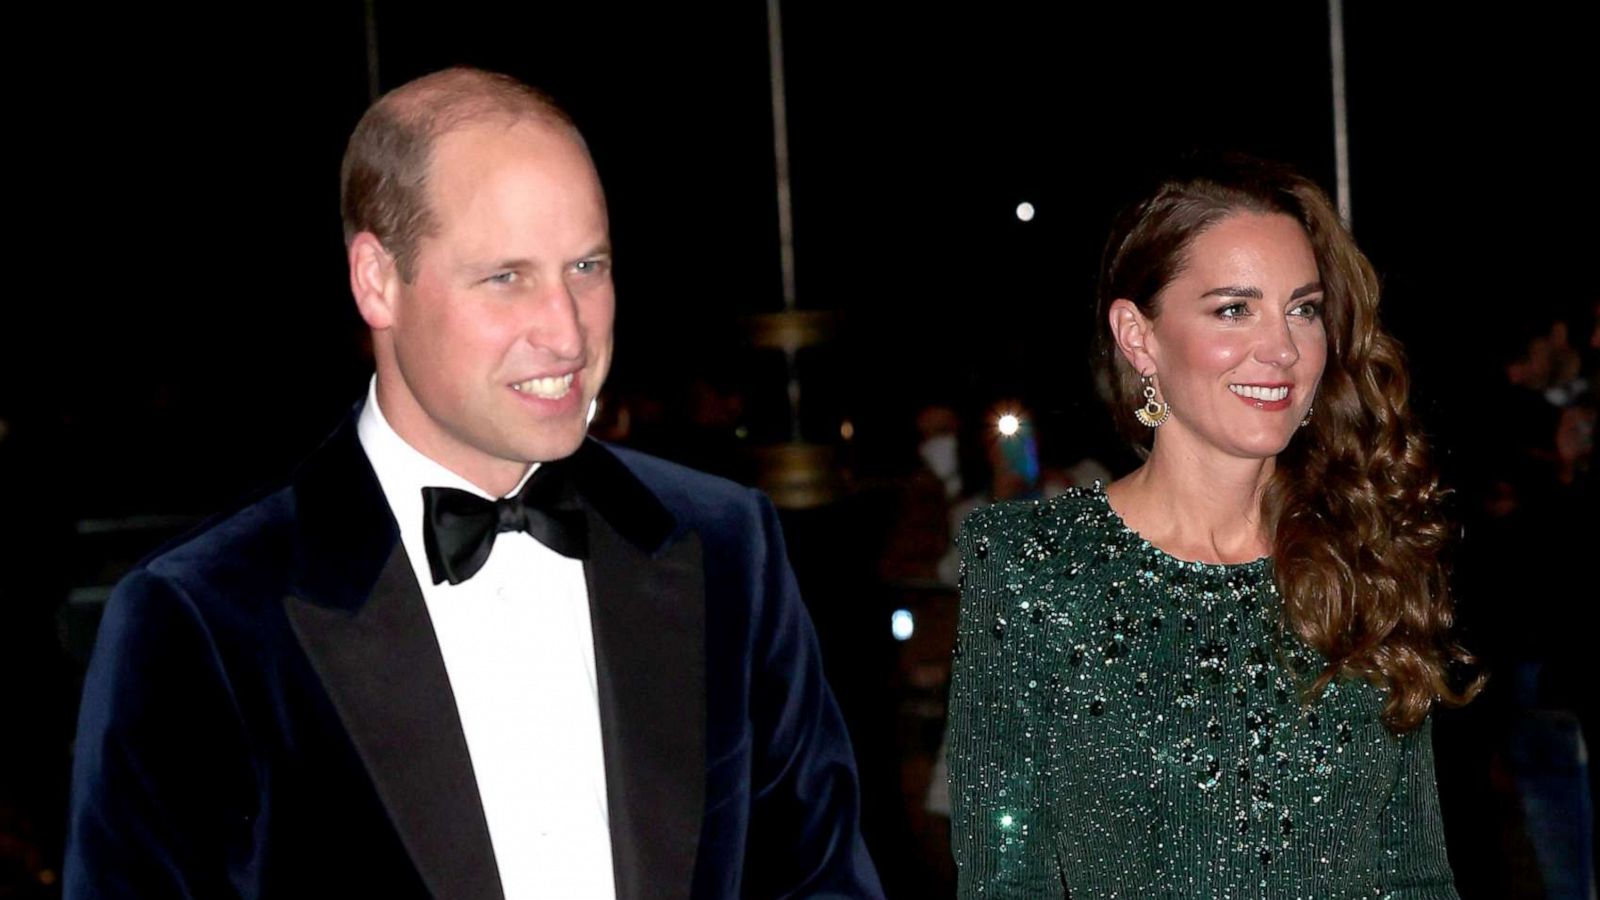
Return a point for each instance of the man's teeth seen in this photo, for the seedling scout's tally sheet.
(553, 388)
(1268, 394)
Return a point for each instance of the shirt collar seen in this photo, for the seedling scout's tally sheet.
(403, 471)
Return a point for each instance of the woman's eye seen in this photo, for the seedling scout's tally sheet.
(1233, 311)
(1307, 311)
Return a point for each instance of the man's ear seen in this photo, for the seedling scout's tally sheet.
(1135, 336)
(374, 280)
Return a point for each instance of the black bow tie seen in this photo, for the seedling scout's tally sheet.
(459, 527)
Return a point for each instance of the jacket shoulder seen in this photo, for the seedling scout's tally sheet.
(247, 549)
(692, 496)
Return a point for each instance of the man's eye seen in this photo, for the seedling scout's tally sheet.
(502, 278)
(589, 266)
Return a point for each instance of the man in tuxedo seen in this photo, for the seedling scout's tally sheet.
(379, 680)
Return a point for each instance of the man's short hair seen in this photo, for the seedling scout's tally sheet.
(383, 180)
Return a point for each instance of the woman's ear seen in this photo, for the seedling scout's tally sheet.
(1134, 334)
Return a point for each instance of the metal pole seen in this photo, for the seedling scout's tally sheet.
(780, 149)
(780, 152)
(1341, 121)
(374, 89)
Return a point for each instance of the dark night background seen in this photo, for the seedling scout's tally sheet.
(191, 334)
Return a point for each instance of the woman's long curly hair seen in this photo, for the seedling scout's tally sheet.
(1353, 506)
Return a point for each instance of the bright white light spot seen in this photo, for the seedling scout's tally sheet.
(1009, 424)
(901, 624)
(1006, 821)
(1025, 211)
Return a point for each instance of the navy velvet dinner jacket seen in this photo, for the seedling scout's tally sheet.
(267, 713)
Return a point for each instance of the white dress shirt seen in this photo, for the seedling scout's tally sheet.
(519, 651)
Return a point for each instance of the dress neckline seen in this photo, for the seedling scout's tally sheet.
(1118, 524)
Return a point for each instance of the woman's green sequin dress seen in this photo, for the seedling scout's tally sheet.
(1126, 724)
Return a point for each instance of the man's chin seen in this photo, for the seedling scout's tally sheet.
(549, 448)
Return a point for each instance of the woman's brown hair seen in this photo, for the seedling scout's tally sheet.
(1353, 506)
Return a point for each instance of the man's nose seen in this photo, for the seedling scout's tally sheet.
(554, 324)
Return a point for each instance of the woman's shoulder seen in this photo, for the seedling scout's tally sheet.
(1074, 515)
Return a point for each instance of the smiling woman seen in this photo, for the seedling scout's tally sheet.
(1215, 675)
(1351, 511)
(1241, 321)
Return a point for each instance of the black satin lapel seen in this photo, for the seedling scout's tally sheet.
(346, 532)
(381, 665)
(611, 489)
(649, 640)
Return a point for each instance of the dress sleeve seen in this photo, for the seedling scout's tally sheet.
(1002, 833)
(1411, 833)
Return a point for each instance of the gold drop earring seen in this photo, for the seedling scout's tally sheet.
(1154, 413)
